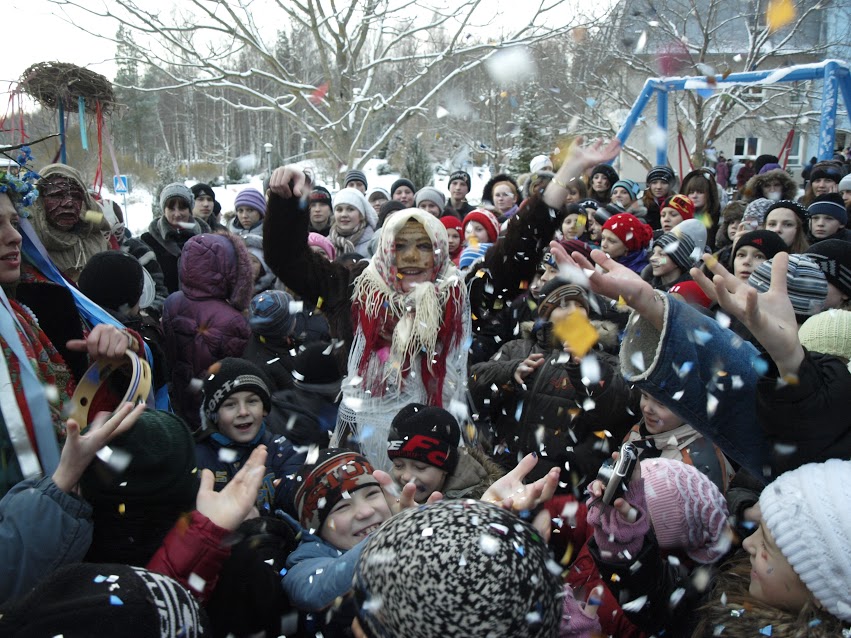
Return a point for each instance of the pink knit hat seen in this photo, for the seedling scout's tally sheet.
(686, 508)
(320, 241)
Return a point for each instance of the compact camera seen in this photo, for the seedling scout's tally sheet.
(616, 474)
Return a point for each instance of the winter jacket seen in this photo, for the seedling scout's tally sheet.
(192, 552)
(224, 458)
(755, 187)
(685, 444)
(542, 415)
(460, 212)
(680, 367)
(143, 253)
(203, 323)
(274, 357)
(237, 229)
(306, 417)
(807, 422)
(473, 475)
(41, 529)
(843, 233)
(167, 243)
(317, 572)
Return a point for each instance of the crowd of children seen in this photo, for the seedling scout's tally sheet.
(391, 413)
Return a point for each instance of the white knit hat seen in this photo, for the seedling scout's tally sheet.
(353, 197)
(807, 511)
(828, 332)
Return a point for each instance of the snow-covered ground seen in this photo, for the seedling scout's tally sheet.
(138, 213)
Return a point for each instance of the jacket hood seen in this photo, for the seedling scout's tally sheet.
(217, 266)
(754, 189)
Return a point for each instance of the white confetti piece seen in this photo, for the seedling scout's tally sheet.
(490, 545)
(514, 64)
(589, 367)
(196, 582)
(637, 360)
(226, 455)
(635, 605)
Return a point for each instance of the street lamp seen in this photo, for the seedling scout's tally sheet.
(268, 147)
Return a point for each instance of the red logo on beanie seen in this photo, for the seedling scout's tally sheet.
(419, 447)
(757, 242)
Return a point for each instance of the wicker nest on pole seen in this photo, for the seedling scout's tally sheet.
(52, 83)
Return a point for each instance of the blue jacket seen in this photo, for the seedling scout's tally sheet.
(41, 529)
(705, 374)
(317, 572)
(282, 462)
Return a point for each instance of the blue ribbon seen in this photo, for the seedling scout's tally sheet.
(81, 111)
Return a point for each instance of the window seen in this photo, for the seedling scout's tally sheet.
(746, 147)
(795, 151)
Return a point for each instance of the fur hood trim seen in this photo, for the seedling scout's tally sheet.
(756, 184)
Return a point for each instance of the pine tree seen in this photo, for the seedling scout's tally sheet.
(530, 138)
(418, 166)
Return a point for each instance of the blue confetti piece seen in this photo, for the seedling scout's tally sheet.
(590, 101)
(283, 571)
(760, 365)
(519, 411)
(702, 337)
(115, 600)
(100, 579)
(685, 369)
(765, 631)
(521, 550)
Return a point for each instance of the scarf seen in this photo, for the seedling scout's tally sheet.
(171, 238)
(346, 243)
(394, 327)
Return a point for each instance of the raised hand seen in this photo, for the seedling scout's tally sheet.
(80, 449)
(531, 363)
(769, 316)
(401, 500)
(289, 181)
(104, 342)
(234, 503)
(578, 159)
(509, 492)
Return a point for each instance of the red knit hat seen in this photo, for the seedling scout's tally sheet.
(452, 223)
(682, 204)
(630, 230)
(692, 293)
(487, 219)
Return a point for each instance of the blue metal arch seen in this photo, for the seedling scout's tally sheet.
(835, 74)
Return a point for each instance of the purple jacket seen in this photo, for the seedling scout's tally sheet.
(204, 322)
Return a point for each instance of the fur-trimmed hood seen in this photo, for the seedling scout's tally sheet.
(755, 185)
(473, 475)
(217, 266)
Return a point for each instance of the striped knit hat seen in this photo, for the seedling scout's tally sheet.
(805, 282)
(831, 205)
(833, 256)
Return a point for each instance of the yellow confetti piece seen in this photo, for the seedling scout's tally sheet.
(121, 508)
(778, 14)
(93, 217)
(524, 285)
(577, 332)
(319, 303)
(711, 260)
(621, 302)
(568, 555)
(705, 219)
(472, 242)
(581, 220)
(602, 434)
(480, 273)
(615, 578)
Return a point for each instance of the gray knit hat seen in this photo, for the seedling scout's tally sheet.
(269, 314)
(805, 282)
(355, 176)
(176, 189)
(680, 249)
(430, 194)
(478, 570)
(757, 210)
(814, 498)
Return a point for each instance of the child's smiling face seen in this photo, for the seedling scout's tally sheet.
(354, 518)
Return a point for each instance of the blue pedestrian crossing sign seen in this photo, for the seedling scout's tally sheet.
(119, 184)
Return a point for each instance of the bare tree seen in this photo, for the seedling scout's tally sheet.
(358, 71)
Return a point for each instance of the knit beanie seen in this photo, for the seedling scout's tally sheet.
(828, 332)
(805, 282)
(696, 231)
(756, 210)
(402, 182)
(686, 509)
(540, 163)
(251, 198)
(320, 241)
(477, 566)
(692, 293)
(794, 206)
(635, 234)
(334, 475)
(806, 510)
(827, 169)
(319, 194)
(762, 160)
(830, 204)
(377, 193)
(315, 368)
(228, 376)
(160, 469)
(558, 290)
(678, 247)
(845, 184)
(109, 600)
(353, 197)
(451, 222)
(430, 194)
(462, 175)
(833, 256)
(577, 245)
(176, 190)
(355, 176)
(629, 186)
(610, 173)
(682, 204)
(203, 189)
(112, 279)
(771, 166)
(425, 434)
(487, 219)
(269, 314)
(590, 203)
(766, 241)
(665, 173)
